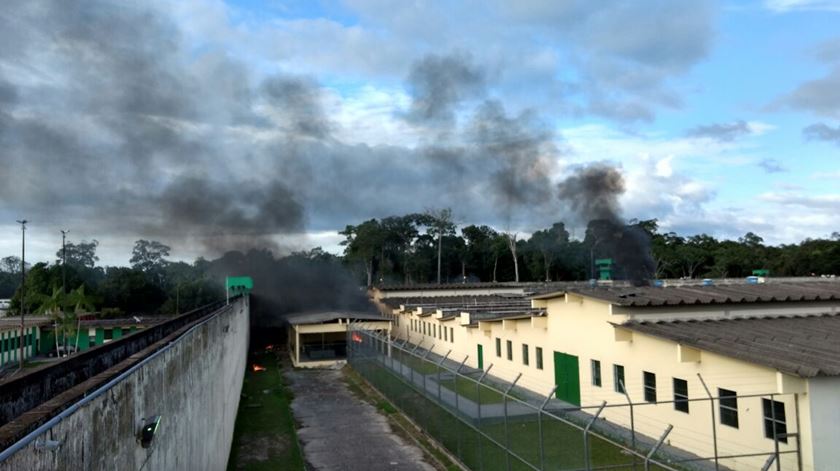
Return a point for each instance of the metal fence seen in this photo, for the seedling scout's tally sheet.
(491, 425)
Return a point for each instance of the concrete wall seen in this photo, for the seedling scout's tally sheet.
(195, 387)
(822, 419)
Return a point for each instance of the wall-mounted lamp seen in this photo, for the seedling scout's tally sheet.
(147, 433)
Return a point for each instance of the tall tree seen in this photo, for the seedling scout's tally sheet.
(363, 243)
(440, 223)
(149, 255)
(548, 243)
(511, 241)
(81, 255)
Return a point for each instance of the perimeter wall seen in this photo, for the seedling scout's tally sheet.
(194, 386)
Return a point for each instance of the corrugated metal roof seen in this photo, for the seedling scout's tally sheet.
(321, 317)
(715, 294)
(803, 346)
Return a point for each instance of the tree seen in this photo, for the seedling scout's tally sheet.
(440, 223)
(131, 291)
(149, 257)
(362, 243)
(511, 241)
(548, 243)
(81, 255)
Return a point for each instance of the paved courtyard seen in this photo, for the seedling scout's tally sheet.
(341, 432)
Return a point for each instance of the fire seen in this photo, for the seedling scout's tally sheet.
(356, 337)
(256, 367)
(269, 348)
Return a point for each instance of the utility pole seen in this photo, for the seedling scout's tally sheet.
(22, 223)
(64, 286)
(64, 233)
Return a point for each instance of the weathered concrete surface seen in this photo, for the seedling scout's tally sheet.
(195, 387)
(341, 432)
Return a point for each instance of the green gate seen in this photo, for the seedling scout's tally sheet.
(480, 357)
(566, 378)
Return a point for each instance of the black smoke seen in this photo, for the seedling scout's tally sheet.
(592, 193)
(299, 282)
(439, 83)
(505, 157)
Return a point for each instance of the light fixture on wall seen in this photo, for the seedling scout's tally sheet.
(148, 431)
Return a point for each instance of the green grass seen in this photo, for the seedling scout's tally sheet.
(264, 437)
(468, 390)
(363, 391)
(563, 443)
(418, 364)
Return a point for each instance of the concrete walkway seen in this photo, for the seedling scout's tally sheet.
(341, 432)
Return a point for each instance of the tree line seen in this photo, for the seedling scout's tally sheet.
(74, 283)
(430, 247)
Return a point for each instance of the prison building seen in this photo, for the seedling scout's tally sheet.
(319, 339)
(729, 366)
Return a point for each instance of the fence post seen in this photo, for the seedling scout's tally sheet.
(714, 425)
(423, 363)
(775, 437)
(798, 443)
(410, 369)
(438, 374)
(540, 427)
(656, 447)
(507, 440)
(632, 420)
(586, 460)
(457, 410)
(478, 403)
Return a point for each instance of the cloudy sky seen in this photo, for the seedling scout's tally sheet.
(211, 125)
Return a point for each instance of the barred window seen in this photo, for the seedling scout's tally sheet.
(596, 372)
(618, 378)
(728, 407)
(681, 395)
(525, 358)
(774, 419)
(649, 380)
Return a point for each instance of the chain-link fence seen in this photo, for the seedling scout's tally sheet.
(490, 425)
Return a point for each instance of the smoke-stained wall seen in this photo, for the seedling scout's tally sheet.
(194, 386)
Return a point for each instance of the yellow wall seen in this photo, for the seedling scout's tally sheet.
(581, 326)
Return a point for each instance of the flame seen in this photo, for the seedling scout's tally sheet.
(256, 367)
(269, 348)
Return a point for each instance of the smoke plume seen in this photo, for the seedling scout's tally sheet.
(438, 84)
(592, 193)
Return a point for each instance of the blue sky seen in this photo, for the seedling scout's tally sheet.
(723, 117)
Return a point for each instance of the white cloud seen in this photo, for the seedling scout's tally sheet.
(784, 6)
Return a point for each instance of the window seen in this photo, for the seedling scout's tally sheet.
(649, 380)
(509, 346)
(498, 347)
(525, 358)
(774, 413)
(596, 372)
(681, 395)
(445, 334)
(452, 334)
(539, 358)
(728, 407)
(618, 378)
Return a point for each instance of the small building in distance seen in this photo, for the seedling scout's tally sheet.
(319, 339)
(730, 366)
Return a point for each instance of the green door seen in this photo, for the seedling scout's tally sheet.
(566, 378)
(480, 357)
